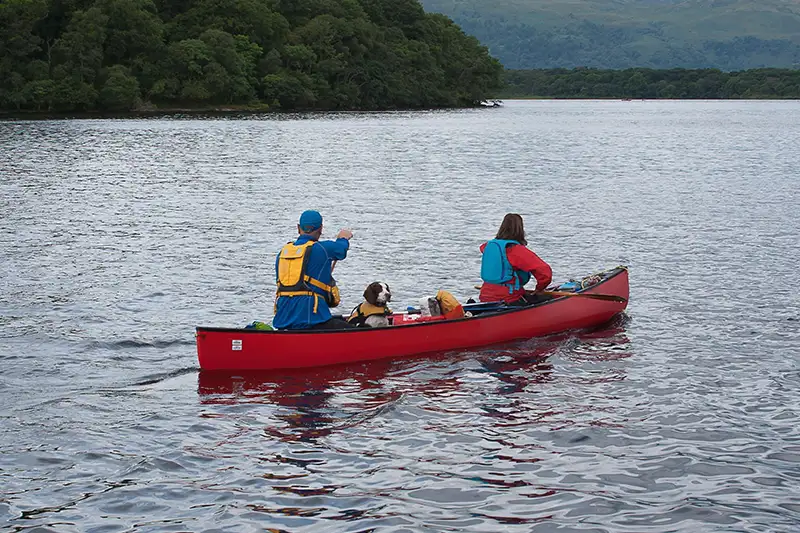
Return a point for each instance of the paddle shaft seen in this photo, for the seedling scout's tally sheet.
(606, 297)
(558, 294)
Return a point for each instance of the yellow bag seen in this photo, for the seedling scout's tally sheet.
(451, 308)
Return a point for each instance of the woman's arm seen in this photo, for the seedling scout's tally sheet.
(521, 258)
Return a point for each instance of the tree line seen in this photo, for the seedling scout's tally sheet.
(649, 83)
(119, 55)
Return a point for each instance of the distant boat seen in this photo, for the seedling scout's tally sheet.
(492, 103)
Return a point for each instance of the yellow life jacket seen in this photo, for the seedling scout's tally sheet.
(293, 279)
(365, 310)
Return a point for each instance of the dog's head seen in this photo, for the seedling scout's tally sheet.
(378, 293)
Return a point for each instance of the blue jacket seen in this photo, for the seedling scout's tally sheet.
(297, 312)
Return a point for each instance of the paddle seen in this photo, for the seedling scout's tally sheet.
(606, 297)
(558, 294)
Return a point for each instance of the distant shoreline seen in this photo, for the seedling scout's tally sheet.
(652, 84)
(215, 111)
(228, 111)
(612, 98)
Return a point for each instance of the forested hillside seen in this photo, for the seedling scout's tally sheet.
(648, 83)
(66, 55)
(618, 34)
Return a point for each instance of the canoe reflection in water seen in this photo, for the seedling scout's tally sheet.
(320, 401)
(555, 381)
(313, 403)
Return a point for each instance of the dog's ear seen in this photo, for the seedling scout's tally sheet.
(371, 293)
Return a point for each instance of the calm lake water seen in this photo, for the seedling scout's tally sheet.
(118, 237)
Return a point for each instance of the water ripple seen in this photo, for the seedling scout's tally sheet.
(118, 237)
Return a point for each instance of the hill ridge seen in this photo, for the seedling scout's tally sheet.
(724, 34)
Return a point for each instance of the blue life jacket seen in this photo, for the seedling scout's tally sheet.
(496, 268)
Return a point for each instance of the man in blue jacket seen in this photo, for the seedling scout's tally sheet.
(304, 274)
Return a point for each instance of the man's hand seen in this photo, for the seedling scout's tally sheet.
(344, 234)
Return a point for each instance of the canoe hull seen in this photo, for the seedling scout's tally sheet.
(249, 349)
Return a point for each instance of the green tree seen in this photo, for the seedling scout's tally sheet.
(256, 19)
(231, 73)
(79, 51)
(17, 44)
(304, 54)
(134, 30)
(40, 95)
(290, 91)
(299, 57)
(120, 90)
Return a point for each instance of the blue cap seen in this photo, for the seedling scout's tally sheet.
(310, 221)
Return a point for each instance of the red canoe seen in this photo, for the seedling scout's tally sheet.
(251, 349)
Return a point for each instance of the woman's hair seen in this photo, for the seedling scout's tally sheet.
(512, 229)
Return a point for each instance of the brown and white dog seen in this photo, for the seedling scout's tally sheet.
(374, 311)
